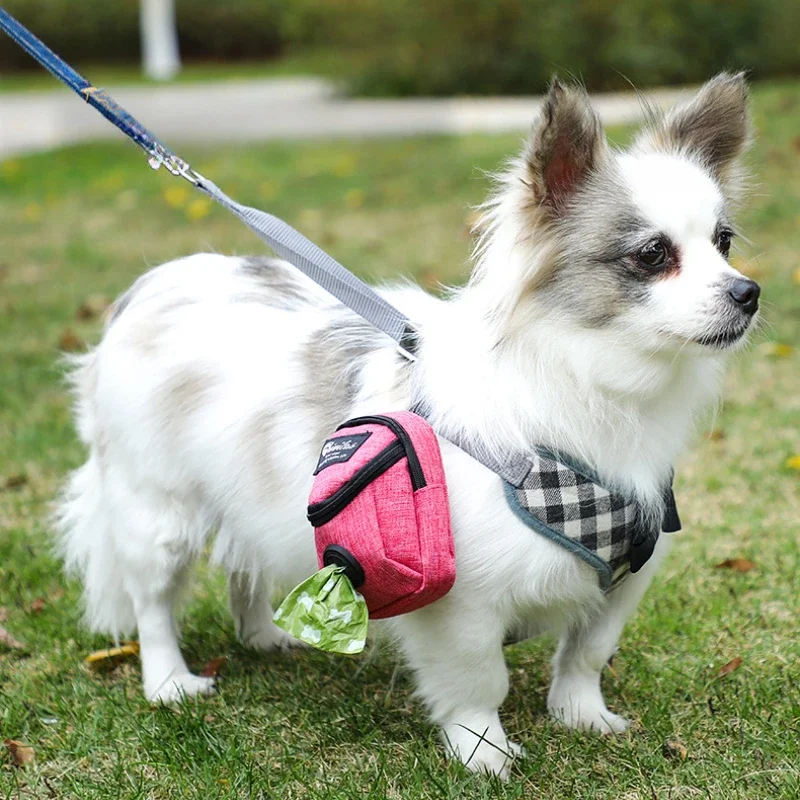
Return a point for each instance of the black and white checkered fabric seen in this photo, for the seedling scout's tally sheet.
(573, 510)
(566, 503)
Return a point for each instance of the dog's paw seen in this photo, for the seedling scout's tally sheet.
(584, 715)
(603, 722)
(271, 638)
(480, 753)
(177, 688)
(579, 705)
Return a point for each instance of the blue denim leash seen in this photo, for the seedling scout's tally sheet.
(280, 236)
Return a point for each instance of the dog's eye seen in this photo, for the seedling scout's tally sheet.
(653, 254)
(723, 242)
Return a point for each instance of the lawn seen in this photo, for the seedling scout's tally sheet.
(79, 224)
(336, 65)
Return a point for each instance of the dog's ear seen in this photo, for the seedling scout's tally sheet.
(566, 144)
(714, 126)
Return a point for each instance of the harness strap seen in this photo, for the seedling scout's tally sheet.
(279, 235)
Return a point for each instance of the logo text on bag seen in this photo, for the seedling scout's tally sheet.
(341, 449)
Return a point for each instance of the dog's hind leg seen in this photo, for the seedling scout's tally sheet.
(156, 544)
(164, 672)
(457, 655)
(575, 697)
(132, 547)
(252, 613)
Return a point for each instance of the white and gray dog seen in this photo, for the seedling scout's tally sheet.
(596, 322)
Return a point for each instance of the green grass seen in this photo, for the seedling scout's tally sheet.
(335, 64)
(87, 220)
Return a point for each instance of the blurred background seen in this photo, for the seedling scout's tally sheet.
(408, 47)
(372, 126)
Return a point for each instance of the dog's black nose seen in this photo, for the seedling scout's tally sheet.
(745, 292)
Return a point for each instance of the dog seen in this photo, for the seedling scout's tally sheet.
(597, 322)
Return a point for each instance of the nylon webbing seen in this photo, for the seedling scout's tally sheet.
(316, 263)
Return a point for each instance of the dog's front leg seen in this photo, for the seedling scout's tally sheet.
(575, 697)
(457, 654)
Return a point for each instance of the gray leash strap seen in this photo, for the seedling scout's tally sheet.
(355, 294)
(319, 266)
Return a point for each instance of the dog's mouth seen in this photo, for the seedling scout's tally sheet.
(723, 339)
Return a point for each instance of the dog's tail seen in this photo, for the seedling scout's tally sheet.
(83, 523)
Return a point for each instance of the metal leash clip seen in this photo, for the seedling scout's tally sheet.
(158, 156)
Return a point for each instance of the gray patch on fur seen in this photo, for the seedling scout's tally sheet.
(255, 441)
(183, 394)
(125, 299)
(275, 284)
(566, 144)
(595, 222)
(594, 276)
(147, 331)
(333, 360)
(714, 127)
(574, 179)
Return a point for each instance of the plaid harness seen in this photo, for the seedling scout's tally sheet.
(567, 504)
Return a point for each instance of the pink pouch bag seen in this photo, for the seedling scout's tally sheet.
(380, 510)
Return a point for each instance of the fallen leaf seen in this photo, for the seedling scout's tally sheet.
(107, 659)
(329, 238)
(9, 641)
(212, 669)
(32, 212)
(344, 166)
(70, 342)
(14, 481)
(674, 749)
(716, 435)
(736, 564)
(11, 168)
(92, 307)
(776, 349)
(793, 462)
(21, 754)
(796, 143)
(729, 667)
(176, 196)
(198, 209)
(37, 606)
(354, 198)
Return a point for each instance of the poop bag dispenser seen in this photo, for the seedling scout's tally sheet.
(384, 541)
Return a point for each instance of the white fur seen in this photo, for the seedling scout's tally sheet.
(494, 361)
(686, 207)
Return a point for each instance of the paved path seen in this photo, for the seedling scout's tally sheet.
(255, 110)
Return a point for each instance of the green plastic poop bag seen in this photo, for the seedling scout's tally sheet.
(326, 612)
